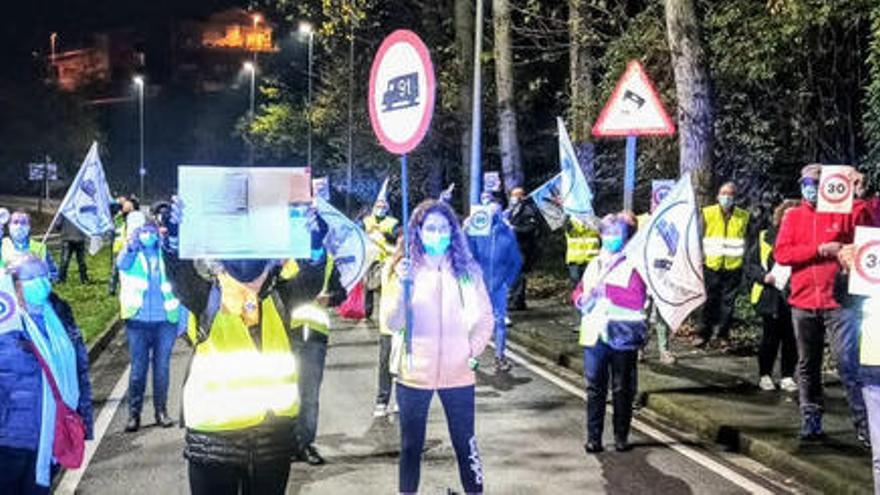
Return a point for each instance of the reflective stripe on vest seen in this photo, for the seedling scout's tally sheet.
(232, 385)
(724, 242)
(313, 316)
(135, 281)
(765, 250)
(582, 243)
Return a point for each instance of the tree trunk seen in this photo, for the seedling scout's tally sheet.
(580, 64)
(694, 90)
(464, 43)
(511, 162)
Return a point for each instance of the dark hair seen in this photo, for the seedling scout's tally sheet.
(459, 254)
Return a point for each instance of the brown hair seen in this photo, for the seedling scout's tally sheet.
(780, 210)
(459, 254)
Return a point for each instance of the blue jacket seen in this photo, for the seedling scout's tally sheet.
(21, 384)
(498, 255)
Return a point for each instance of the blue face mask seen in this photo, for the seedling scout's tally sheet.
(36, 291)
(725, 201)
(19, 233)
(436, 244)
(810, 192)
(148, 239)
(612, 243)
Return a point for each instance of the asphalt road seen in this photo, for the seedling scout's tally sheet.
(530, 429)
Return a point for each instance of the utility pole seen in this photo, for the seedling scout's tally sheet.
(477, 114)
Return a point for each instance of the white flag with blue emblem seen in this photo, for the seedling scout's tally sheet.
(577, 198)
(87, 202)
(348, 244)
(10, 317)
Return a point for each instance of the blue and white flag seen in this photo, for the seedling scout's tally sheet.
(577, 198)
(669, 256)
(548, 199)
(383, 192)
(347, 243)
(87, 202)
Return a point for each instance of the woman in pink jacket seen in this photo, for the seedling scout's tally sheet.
(452, 323)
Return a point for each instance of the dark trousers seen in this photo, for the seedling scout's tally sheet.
(516, 298)
(721, 289)
(68, 249)
(149, 342)
(575, 274)
(369, 302)
(602, 363)
(458, 404)
(842, 326)
(385, 378)
(220, 479)
(778, 335)
(17, 472)
(312, 354)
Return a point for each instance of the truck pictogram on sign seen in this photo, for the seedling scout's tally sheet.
(402, 92)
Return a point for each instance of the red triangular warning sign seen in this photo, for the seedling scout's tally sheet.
(634, 108)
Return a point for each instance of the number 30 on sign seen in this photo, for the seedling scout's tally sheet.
(836, 189)
(864, 279)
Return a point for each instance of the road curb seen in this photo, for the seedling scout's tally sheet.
(687, 419)
(104, 338)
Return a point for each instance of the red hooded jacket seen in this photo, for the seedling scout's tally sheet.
(802, 231)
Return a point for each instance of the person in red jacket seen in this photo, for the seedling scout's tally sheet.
(809, 242)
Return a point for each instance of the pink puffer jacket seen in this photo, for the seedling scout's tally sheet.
(452, 322)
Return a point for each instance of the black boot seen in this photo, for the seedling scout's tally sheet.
(163, 420)
(310, 455)
(133, 424)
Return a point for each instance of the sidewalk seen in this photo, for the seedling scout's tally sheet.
(716, 396)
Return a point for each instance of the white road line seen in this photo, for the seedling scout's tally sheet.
(71, 478)
(692, 454)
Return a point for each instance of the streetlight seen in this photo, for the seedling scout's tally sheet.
(139, 82)
(252, 69)
(305, 29)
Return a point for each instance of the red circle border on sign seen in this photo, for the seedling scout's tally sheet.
(859, 254)
(411, 38)
(833, 176)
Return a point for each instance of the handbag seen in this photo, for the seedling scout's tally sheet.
(70, 431)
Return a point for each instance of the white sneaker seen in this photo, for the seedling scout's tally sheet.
(766, 383)
(788, 384)
(380, 411)
(393, 409)
(508, 322)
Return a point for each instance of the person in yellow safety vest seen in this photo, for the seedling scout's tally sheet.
(771, 304)
(314, 285)
(241, 393)
(19, 244)
(582, 243)
(382, 229)
(119, 239)
(725, 228)
(151, 313)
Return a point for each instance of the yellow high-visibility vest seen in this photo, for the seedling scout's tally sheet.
(9, 254)
(582, 243)
(764, 251)
(135, 281)
(377, 230)
(310, 316)
(232, 384)
(724, 241)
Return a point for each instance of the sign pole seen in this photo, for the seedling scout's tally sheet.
(629, 174)
(407, 285)
(477, 110)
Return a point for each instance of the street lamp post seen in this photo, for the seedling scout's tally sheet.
(306, 29)
(252, 69)
(142, 171)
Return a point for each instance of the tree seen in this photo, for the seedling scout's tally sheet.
(694, 89)
(511, 161)
(464, 42)
(872, 99)
(580, 65)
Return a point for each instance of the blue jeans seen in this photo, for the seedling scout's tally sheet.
(602, 363)
(18, 472)
(499, 311)
(312, 354)
(147, 341)
(458, 404)
(871, 394)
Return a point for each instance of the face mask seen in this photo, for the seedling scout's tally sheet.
(148, 239)
(380, 212)
(436, 244)
(245, 270)
(36, 291)
(19, 233)
(810, 192)
(612, 243)
(725, 201)
(514, 201)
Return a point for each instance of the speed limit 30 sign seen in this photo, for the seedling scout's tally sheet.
(836, 189)
(864, 279)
